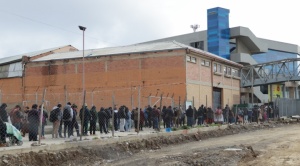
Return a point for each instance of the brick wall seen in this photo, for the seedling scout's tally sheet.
(156, 73)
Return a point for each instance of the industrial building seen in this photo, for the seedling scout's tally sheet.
(134, 75)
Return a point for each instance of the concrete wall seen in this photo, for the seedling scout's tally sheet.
(121, 75)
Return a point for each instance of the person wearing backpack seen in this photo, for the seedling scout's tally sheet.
(55, 119)
(93, 120)
(67, 119)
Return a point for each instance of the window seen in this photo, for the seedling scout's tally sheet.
(188, 58)
(202, 62)
(199, 45)
(193, 60)
(219, 68)
(207, 63)
(215, 67)
(225, 69)
(235, 73)
(228, 71)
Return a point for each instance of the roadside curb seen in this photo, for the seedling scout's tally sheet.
(103, 141)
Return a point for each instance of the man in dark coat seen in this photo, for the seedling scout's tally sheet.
(3, 112)
(109, 116)
(86, 118)
(200, 113)
(102, 117)
(33, 119)
(93, 120)
(169, 116)
(189, 115)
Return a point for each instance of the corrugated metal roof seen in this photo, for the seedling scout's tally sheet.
(131, 49)
(30, 54)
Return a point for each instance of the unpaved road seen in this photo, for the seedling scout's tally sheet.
(274, 146)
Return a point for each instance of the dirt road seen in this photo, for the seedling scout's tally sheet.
(274, 146)
(269, 144)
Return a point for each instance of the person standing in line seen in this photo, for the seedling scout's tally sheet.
(146, 116)
(93, 120)
(122, 116)
(226, 114)
(86, 118)
(190, 116)
(44, 120)
(142, 119)
(155, 117)
(149, 119)
(33, 118)
(128, 120)
(67, 119)
(102, 117)
(25, 123)
(200, 115)
(3, 112)
(74, 120)
(108, 117)
(116, 119)
(245, 115)
(55, 118)
(164, 112)
(16, 117)
(210, 115)
(169, 116)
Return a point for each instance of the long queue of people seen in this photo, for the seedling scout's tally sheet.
(119, 119)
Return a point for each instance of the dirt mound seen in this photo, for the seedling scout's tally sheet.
(101, 154)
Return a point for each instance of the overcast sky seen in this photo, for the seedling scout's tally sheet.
(33, 25)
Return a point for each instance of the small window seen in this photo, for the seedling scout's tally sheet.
(225, 69)
(193, 60)
(207, 63)
(188, 58)
(219, 68)
(235, 72)
(202, 62)
(228, 71)
(215, 67)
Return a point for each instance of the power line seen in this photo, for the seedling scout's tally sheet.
(53, 26)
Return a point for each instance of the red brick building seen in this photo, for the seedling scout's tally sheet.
(177, 72)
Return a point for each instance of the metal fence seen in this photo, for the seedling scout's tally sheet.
(288, 107)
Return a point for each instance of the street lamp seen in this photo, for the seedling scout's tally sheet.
(82, 29)
(83, 86)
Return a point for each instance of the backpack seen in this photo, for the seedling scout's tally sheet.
(66, 114)
(53, 115)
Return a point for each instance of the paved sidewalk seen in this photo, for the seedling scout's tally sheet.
(98, 139)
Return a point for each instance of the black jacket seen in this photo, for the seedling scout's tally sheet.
(121, 112)
(189, 112)
(33, 116)
(102, 116)
(87, 114)
(3, 114)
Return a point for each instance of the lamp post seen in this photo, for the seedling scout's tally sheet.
(83, 86)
